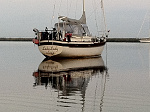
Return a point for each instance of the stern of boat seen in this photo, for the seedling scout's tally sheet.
(50, 50)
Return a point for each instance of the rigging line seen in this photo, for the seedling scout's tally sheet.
(106, 54)
(95, 16)
(67, 8)
(96, 8)
(52, 19)
(142, 24)
(59, 6)
(102, 7)
(103, 23)
(149, 23)
(92, 12)
(76, 9)
(102, 28)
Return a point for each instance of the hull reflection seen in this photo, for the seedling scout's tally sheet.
(70, 78)
(67, 70)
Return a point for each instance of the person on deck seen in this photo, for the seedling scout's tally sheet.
(54, 33)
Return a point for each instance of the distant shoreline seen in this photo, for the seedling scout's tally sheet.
(108, 40)
(123, 40)
(16, 39)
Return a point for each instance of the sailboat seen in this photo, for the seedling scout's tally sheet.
(70, 38)
(145, 40)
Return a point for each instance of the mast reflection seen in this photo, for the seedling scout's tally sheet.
(70, 77)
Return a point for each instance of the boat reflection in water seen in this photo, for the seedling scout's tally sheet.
(70, 79)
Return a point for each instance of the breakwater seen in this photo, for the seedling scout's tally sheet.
(16, 39)
(108, 40)
(123, 40)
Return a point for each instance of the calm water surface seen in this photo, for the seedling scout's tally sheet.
(119, 81)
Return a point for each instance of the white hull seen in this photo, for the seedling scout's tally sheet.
(67, 51)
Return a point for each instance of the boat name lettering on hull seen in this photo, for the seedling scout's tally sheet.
(50, 48)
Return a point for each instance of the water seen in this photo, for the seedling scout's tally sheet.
(119, 81)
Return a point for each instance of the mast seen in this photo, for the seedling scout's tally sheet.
(83, 6)
(83, 17)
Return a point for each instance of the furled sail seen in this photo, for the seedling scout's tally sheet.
(82, 20)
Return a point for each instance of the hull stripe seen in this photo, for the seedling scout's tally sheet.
(72, 45)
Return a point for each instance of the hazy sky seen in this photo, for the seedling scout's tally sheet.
(123, 17)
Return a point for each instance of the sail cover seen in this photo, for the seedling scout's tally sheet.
(82, 20)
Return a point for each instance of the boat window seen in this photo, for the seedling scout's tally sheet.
(78, 30)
